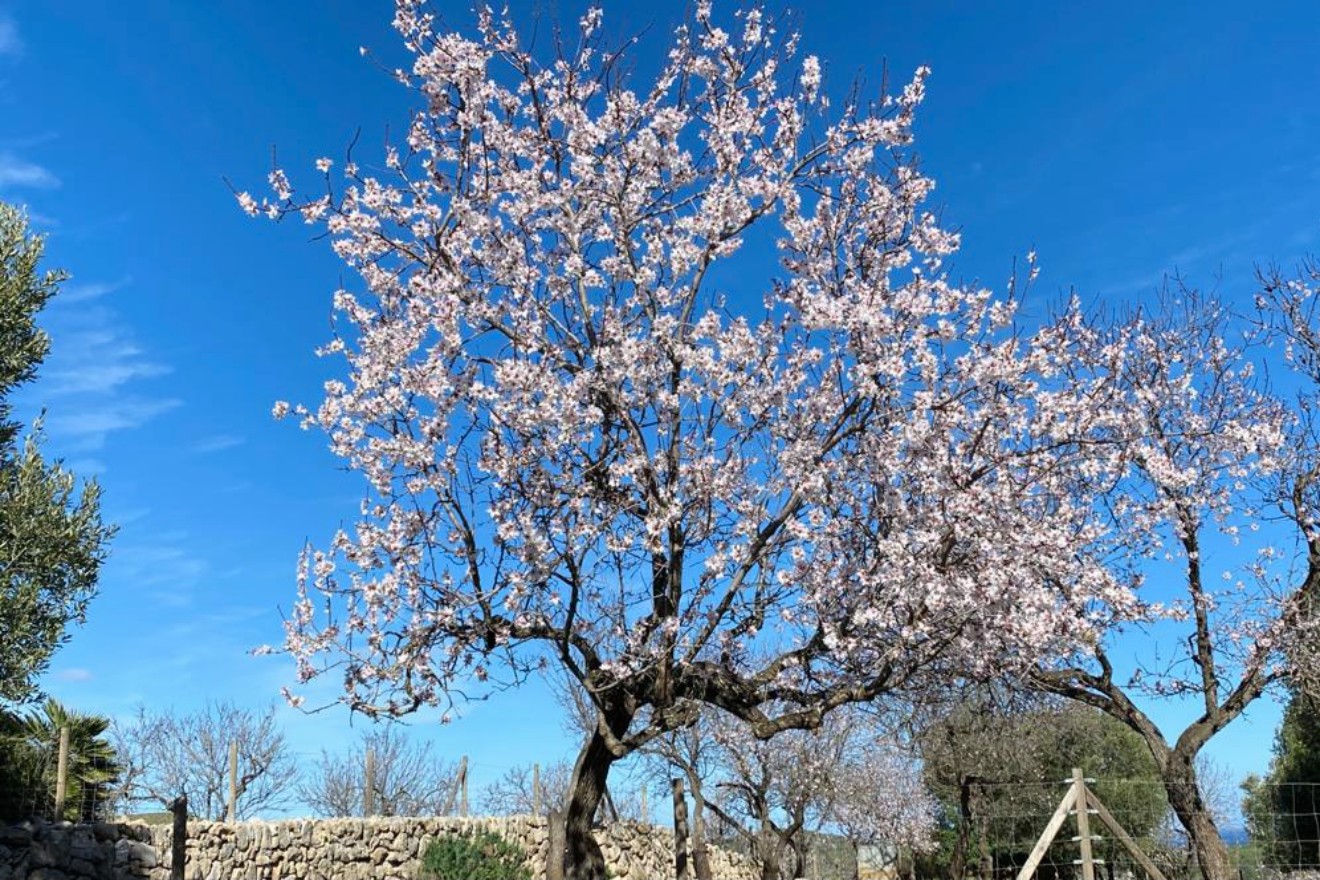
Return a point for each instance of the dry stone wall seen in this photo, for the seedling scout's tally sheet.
(390, 849)
(61, 851)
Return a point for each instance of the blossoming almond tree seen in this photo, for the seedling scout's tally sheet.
(663, 382)
(848, 775)
(1213, 466)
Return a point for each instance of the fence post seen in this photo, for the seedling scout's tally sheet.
(1051, 829)
(1083, 824)
(680, 831)
(62, 773)
(463, 788)
(179, 837)
(536, 789)
(460, 783)
(369, 784)
(646, 819)
(231, 812)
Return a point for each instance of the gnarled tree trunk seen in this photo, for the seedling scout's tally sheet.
(700, 854)
(1184, 793)
(769, 852)
(583, 859)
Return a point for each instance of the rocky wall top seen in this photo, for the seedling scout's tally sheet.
(391, 848)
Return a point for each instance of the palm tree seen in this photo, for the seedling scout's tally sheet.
(92, 769)
(21, 772)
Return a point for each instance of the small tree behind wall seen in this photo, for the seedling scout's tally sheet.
(167, 753)
(661, 381)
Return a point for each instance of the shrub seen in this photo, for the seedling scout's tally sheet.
(480, 856)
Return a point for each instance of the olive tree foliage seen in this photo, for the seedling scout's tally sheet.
(408, 778)
(998, 772)
(165, 754)
(1282, 808)
(52, 540)
(663, 382)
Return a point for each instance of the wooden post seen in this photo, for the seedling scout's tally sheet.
(646, 819)
(179, 837)
(62, 773)
(680, 831)
(463, 789)
(460, 782)
(369, 784)
(1056, 822)
(231, 814)
(1123, 838)
(607, 804)
(536, 789)
(1083, 823)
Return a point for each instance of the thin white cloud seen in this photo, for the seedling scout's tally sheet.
(41, 222)
(132, 515)
(121, 362)
(74, 673)
(17, 172)
(87, 467)
(80, 293)
(162, 568)
(87, 427)
(218, 443)
(11, 44)
(92, 381)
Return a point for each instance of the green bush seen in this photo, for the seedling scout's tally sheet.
(480, 856)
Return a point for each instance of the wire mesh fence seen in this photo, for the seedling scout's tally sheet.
(989, 831)
(56, 781)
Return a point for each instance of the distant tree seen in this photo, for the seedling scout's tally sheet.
(844, 776)
(1282, 809)
(167, 754)
(998, 772)
(52, 540)
(29, 750)
(409, 779)
(691, 753)
(513, 793)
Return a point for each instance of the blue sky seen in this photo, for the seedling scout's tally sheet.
(1121, 141)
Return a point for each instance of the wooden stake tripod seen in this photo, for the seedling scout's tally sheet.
(1083, 802)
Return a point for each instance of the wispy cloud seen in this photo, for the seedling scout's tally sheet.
(94, 376)
(41, 222)
(17, 172)
(217, 443)
(80, 293)
(11, 44)
(104, 362)
(162, 567)
(88, 427)
(74, 673)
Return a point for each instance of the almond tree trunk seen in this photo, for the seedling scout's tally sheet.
(583, 859)
(770, 860)
(700, 854)
(1208, 845)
